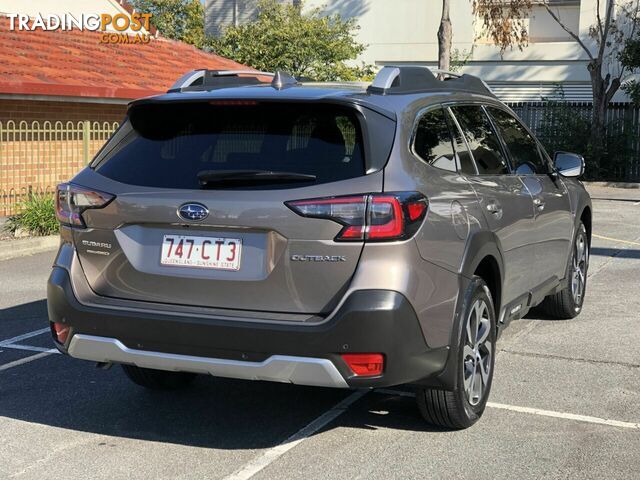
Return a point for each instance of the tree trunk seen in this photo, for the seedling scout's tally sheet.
(600, 105)
(444, 37)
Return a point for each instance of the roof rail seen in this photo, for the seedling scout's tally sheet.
(415, 79)
(202, 79)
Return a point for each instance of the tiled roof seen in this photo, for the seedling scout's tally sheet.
(75, 63)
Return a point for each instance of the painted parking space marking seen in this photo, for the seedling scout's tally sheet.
(30, 348)
(564, 415)
(22, 361)
(534, 411)
(268, 457)
(602, 237)
(24, 336)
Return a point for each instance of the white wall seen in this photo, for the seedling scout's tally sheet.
(405, 32)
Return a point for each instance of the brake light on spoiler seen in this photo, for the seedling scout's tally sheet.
(372, 217)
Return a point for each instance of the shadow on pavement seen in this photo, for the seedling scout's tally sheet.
(23, 318)
(215, 413)
(615, 252)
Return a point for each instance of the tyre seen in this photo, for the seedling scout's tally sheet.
(475, 359)
(567, 303)
(158, 379)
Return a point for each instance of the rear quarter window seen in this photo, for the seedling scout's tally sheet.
(167, 145)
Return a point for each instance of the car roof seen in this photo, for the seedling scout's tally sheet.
(388, 96)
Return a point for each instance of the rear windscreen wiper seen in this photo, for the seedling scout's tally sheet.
(208, 178)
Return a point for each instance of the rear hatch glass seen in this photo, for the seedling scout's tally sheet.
(168, 146)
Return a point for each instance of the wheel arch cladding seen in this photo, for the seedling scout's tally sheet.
(489, 271)
(585, 217)
(483, 258)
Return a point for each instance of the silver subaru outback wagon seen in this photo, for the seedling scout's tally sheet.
(318, 234)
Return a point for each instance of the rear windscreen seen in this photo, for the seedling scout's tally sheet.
(168, 145)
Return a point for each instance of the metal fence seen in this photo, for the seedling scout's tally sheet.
(36, 156)
(623, 130)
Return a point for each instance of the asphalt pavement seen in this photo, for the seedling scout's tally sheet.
(563, 404)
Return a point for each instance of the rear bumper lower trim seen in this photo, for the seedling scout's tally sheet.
(319, 372)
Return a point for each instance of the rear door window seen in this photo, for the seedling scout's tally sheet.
(432, 142)
(521, 145)
(167, 145)
(482, 139)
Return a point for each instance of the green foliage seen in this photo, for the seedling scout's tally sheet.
(36, 215)
(630, 59)
(459, 58)
(177, 19)
(306, 44)
(565, 127)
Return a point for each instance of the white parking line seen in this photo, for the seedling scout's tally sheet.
(566, 416)
(259, 463)
(22, 361)
(534, 411)
(24, 336)
(30, 348)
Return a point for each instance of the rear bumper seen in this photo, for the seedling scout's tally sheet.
(369, 321)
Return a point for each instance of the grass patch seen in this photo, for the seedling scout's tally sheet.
(37, 216)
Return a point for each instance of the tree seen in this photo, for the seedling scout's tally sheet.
(177, 19)
(630, 59)
(503, 21)
(303, 43)
(445, 35)
(605, 65)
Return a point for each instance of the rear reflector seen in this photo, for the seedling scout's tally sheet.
(61, 331)
(374, 217)
(365, 364)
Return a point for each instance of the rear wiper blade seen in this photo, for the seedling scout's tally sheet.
(217, 177)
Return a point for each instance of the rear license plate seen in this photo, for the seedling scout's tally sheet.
(201, 252)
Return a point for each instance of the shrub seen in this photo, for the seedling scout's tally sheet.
(304, 43)
(37, 215)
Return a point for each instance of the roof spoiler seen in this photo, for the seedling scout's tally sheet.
(202, 79)
(415, 79)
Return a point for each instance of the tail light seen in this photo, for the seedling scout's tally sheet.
(72, 200)
(374, 217)
(365, 364)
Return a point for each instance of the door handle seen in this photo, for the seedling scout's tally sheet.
(494, 208)
(539, 203)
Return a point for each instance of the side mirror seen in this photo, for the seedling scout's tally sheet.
(569, 164)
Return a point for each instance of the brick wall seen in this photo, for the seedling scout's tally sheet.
(28, 110)
(50, 147)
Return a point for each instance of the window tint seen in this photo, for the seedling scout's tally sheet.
(169, 144)
(482, 140)
(522, 147)
(464, 157)
(432, 142)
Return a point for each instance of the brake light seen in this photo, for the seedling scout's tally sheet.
(365, 364)
(72, 200)
(374, 217)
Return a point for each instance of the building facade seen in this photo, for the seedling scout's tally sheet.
(405, 32)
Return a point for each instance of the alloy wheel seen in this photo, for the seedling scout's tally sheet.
(579, 268)
(477, 352)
